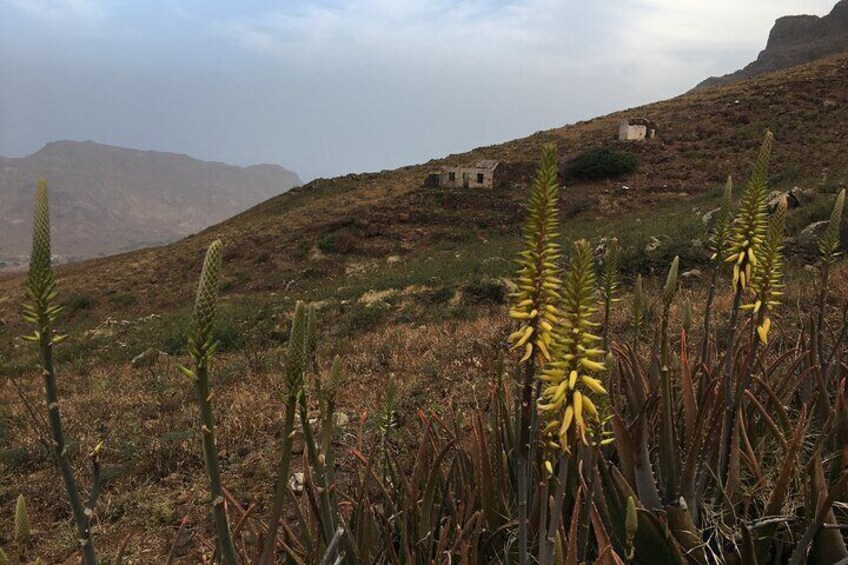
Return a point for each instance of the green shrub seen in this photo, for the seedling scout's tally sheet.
(301, 250)
(123, 299)
(488, 291)
(439, 295)
(364, 317)
(601, 163)
(77, 302)
(327, 244)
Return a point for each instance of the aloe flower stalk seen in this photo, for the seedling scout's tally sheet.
(22, 529)
(767, 281)
(609, 285)
(535, 305)
(828, 252)
(201, 348)
(718, 244)
(747, 235)
(749, 229)
(41, 312)
(296, 360)
(570, 382)
(639, 310)
(331, 384)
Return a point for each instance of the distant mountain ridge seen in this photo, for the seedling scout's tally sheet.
(795, 40)
(108, 199)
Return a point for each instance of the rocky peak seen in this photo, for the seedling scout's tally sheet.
(795, 40)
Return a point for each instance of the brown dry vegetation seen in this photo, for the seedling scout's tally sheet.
(435, 337)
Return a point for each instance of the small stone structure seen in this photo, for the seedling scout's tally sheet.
(485, 174)
(636, 129)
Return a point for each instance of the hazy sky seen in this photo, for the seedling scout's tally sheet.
(327, 87)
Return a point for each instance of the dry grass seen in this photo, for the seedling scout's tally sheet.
(147, 415)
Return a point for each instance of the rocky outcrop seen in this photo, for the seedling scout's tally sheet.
(795, 40)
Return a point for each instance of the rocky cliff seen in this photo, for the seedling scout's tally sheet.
(795, 40)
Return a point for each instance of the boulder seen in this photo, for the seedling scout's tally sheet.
(813, 231)
(691, 275)
(708, 217)
(296, 482)
(653, 244)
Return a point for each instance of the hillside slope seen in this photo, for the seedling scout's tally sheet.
(795, 40)
(704, 136)
(110, 199)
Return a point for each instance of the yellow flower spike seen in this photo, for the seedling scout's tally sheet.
(572, 380)
(757, 306)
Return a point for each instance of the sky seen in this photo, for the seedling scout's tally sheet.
(329, 87)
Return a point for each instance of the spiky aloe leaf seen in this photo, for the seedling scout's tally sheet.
(829, 242)
(22, 528)
(751, 222)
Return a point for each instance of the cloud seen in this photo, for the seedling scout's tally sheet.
(84, 13)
